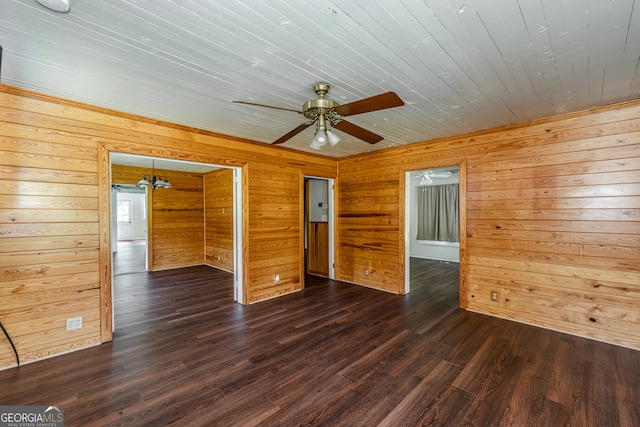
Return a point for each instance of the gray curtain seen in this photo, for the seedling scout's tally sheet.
(438, 213)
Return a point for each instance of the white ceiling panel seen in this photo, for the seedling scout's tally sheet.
(459, 65)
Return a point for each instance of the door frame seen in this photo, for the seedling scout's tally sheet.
(331, 219)
(239, 290)
(405, 187)
(105, 227)
(118, 189)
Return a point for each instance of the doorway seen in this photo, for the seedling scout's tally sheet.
(124, 205)
(438, 250)
(319, 227)
(129, 219)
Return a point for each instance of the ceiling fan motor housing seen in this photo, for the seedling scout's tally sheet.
(321, 106)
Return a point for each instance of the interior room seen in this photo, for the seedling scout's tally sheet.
(438, 247)
(379, 213)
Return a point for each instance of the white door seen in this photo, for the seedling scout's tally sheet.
(124, 213)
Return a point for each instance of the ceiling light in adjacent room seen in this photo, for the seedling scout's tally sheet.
(152, 180)
(144, 181)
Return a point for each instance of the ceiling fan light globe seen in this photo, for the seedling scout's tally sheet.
(333, 138)
(314, 145)
(321, 137)
(319, 140)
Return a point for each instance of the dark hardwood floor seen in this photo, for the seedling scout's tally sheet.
(130, 257)
(185, 354)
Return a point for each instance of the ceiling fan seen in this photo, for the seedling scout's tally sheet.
(323, 111)
(425, 177)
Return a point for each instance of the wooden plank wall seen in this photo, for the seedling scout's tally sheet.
(318, 248)
(553, 220)
(218, 196)
(53, 264)
(176, 216)
(178, 221)
(368, 225)
(275, 211)
(49, 247)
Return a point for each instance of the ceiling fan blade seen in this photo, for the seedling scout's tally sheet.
(374, 103)
(267, 106)
(292, 133)
(358, 132)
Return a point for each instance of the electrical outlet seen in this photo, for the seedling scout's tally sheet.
(494, 295)
(366, 272)
(276, 278)
(74, 323)
(218, 257)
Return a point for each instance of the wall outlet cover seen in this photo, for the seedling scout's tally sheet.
(74, 323)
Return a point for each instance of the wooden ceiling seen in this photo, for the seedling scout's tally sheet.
(459, 65)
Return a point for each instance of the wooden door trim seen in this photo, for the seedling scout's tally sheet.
(104, 222)
(331, 225)
(464, 262)
(104, 226)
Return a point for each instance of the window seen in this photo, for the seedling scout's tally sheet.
(124, 207)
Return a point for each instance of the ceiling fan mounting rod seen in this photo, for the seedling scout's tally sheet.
(321, 89)
(321, 125)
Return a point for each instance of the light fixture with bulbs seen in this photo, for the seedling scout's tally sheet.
(323, 135)
(152, 180)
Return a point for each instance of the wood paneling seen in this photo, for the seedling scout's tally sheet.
(49, 247)
(368, 227)
(552, 217)
(275, 244)
(54, 214)
(178, 221)
(318, 248)
(177, 227)
(218, 199)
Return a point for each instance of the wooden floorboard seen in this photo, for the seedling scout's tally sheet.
(333, 354)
